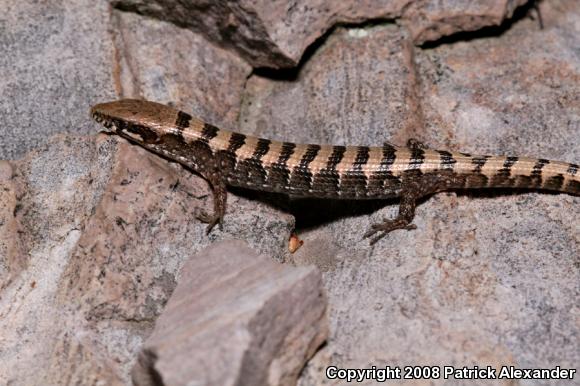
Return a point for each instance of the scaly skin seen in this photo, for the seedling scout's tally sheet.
(354, 172)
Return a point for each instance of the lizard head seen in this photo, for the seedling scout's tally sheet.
(138, 120)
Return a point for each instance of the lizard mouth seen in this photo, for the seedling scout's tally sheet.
(103, 120)
(111, 125)
(132, 132)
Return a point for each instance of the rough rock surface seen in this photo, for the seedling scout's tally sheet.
(45, 51)
(429, 21)
(93, 232)
(276, 33)
(235, 318)
(161, 62)
(60, 57)
(96, 231)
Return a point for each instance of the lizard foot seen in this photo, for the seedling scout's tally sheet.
(210, 220)
(403, 220)
(387, 226)
(220, 195)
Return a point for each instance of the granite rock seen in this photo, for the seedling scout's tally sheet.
(93, 232)
(64, 56)
(45, 88)
(235, 318)
(429, 21)
(275, 34)
(100, 230)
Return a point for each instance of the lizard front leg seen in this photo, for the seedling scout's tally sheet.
(219, 208)
(216, 180)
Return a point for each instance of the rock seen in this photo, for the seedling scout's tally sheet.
(235, 318)
(276, 34)
(50, 47)
(523, 101)
(432, 20)
(45, 87)
(502, 259)
(102, 229)
(11, 252)
(336, 95)
(161, 62)
(93, 232)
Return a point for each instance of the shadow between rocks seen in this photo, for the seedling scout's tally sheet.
(311, 213)
(530, 9)
(314, 212)
(292, 73)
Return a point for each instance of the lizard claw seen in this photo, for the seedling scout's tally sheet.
(210, 220)
(387, 226)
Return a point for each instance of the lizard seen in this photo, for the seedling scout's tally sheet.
(225, 158)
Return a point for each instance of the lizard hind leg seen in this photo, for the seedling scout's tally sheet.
(415, 186)
(403, 220)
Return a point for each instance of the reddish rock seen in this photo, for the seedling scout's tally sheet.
(12, 254)
(276, 33)
(161, 62)
(235, 318)
(428, 21)
(104, 228)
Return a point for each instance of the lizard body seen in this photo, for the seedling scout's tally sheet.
(325, 171)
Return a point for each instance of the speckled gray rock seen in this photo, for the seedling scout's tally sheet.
(336, 94)
(235, 318)
(103, 229)
(276, 33)
(60, 57)
(46, 87)
(486, 96)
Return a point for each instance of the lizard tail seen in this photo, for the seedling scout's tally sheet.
(519, 172)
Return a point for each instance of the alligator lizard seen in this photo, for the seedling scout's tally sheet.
(355, 172)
